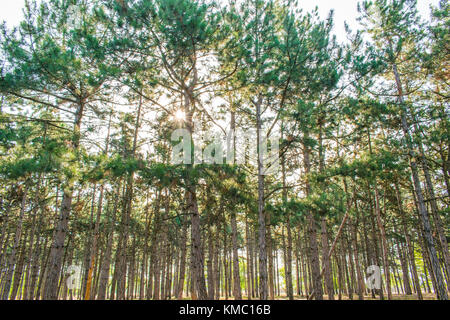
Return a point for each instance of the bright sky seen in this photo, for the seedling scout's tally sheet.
(344, 10)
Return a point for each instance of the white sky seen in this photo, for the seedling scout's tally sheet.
(344, 10)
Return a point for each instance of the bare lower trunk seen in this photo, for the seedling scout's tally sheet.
(13, 254)
(57, 250)
(326, 260)
(263, 289)
(197, 250)
(210, 269)
(106, 264)
(312, 235)
(441, 292)
(236, 276)
(183, 260)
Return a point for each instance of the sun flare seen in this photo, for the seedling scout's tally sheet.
(180, 115)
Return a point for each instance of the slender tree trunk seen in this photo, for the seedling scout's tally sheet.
(13, 255)
(270, 271)
(182, 260)
(441, 292)
(57, 251)
(209, 265)
(326, 260)
(236, 274)
(106, 265)
(263, 279)
(359, 276)
(312, 233)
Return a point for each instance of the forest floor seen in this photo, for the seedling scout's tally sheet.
(426, 296)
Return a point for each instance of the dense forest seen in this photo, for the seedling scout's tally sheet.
(93, 205)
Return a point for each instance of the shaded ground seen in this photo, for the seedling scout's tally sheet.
(426, 296)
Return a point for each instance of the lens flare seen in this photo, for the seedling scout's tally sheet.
(180, 115)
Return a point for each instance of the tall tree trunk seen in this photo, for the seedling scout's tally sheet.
(97, 222)
(182, 260)
(312, 232)
(441, 292)
(353, 233)
(326, 260)
(106, 265)
(380, 224)
(263, 279)
(436, 217)
(198, 276)
(270, 258)
(13, 255)
(209, 265)
(236, 274)
(57, 251)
